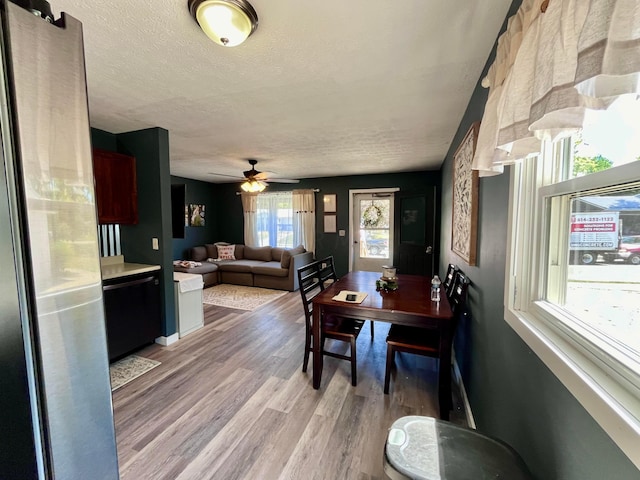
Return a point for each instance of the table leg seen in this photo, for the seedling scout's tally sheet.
(444, 375)
(317, 347)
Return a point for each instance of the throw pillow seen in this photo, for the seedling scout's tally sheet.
(226, 252)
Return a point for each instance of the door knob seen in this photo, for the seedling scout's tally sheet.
(429, 249)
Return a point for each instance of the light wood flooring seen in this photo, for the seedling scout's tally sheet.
(230, 401)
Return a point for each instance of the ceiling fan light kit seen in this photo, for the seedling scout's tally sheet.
(253, 186)
(226, 22)
(255, 181)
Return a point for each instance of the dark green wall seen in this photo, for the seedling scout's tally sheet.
(151, 149)
(512, 393)
(201, 193)
(230, 219)
(104, 140)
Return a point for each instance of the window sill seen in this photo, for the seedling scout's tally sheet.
(615, 409)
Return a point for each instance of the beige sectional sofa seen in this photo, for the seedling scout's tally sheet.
(265, 267)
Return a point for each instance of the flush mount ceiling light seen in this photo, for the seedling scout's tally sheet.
(226, 22)
(253, 186)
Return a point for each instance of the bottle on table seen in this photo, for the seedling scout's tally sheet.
(435, 288)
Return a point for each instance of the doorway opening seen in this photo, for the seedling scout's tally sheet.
(371, 229)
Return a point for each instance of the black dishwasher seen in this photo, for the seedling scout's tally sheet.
(132, 311)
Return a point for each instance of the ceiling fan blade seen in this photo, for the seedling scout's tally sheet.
(224, 175)
(255, 175)
(283, 180)
(251, 173)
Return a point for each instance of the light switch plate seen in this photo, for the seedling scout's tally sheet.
(154, 244)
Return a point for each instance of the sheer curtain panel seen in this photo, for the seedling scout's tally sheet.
(551, 69)
(275, 220)
(250, 211)
(304, 219)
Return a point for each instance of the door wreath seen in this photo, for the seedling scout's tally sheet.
(371, 216)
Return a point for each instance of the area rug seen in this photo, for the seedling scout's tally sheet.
(239, 296)
(128, 369)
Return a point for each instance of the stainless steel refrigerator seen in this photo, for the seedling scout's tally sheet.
(55, 397)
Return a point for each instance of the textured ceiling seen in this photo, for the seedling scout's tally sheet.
(322, 88)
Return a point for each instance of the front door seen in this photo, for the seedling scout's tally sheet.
(373, 230)
(415, 232)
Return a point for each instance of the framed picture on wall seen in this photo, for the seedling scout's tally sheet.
(464, 222)
(329, 201)
(330, 225)
(196, 215)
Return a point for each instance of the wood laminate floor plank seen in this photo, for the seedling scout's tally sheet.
(245, 422)
(186, 437)
(339, 458)
(230, 401)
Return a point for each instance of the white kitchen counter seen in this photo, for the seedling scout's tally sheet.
(116, 267)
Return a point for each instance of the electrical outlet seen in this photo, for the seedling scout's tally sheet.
(154, 244)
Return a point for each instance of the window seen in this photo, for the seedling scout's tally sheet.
(280, 219)
(275, 220)
(573, 279)
(374, 228)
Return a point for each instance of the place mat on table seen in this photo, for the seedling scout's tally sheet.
(342, 296)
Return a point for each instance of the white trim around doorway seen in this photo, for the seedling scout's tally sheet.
(356, 191)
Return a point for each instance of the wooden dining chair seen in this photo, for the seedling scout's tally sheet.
(422, 341)
(448, 282)
(328, 276)
(336, 328)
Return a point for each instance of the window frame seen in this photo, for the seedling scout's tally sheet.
(607, 389)
(275, 221)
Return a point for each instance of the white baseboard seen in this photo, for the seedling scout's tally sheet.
(166, 341)
(457, 376)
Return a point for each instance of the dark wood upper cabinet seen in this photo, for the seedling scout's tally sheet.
(116, 187)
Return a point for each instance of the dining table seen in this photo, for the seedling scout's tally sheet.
(410, 304)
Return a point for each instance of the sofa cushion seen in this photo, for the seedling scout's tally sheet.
(198, 254)
(287, 254)
(238, 265)
(201, 269)
(276, 254)
(272, 269)
(226, 252)
(239, 252)
(257, 253)
(212, 250)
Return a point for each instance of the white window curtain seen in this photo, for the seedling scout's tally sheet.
(250, 211)
(304, 219)
(551, 70)
(275, 220)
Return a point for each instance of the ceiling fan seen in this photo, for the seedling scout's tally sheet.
(255, 181)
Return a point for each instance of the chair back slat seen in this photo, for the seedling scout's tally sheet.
(459, 292)
(327, 271)
(310, 286)
(449, 279)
